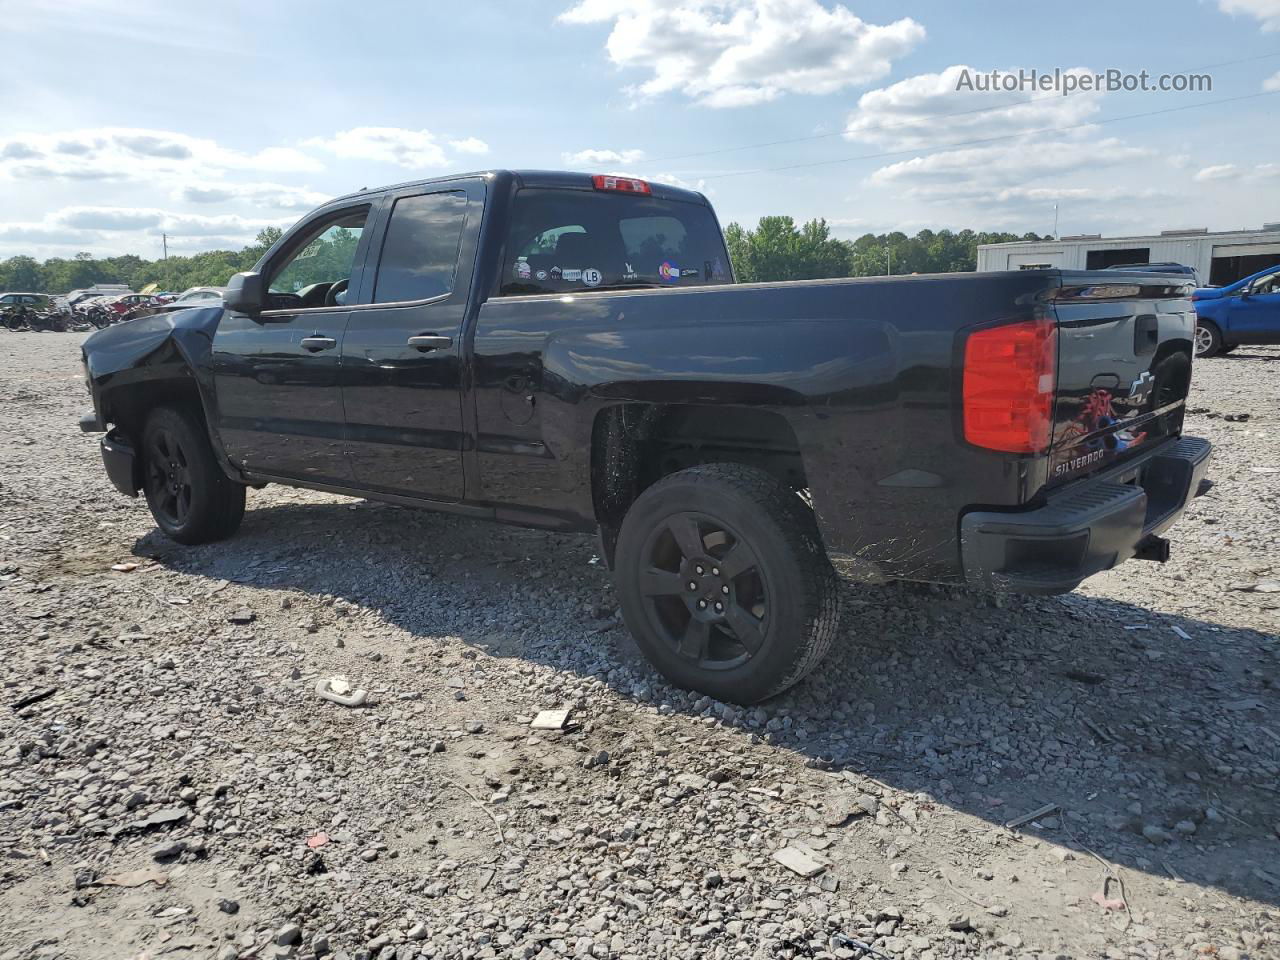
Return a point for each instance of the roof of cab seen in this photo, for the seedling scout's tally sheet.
(559, 179)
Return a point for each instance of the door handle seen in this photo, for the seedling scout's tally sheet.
(429, 341)
(318, 343)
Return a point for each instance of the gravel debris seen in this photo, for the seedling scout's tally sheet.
(175, 720)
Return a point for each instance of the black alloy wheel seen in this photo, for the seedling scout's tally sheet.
(191, 498)
(705, 591)
(168, 477)
(724, 582)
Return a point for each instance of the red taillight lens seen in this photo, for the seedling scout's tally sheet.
(621, 184)
(1010, 375)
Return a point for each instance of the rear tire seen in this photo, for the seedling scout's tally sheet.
(724, 582)
(1208, 339)
(190, 497)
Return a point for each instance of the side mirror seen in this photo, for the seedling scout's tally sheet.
(245, 293)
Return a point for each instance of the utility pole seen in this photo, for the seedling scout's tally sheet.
(1055, 221)
(164, 239)
(888, 254)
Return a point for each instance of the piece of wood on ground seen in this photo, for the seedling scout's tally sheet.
(134, 878)
(1036, 814)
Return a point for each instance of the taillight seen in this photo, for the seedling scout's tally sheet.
(622, 184)
(1010, 375)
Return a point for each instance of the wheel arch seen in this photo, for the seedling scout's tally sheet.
(636, 444)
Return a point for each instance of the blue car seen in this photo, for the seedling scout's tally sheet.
(1247, 311)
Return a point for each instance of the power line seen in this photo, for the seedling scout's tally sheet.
(983, 140)
(915, 120)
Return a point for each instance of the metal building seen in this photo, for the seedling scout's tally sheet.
(1218, 258)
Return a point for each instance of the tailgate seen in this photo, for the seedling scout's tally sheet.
(1124, 368)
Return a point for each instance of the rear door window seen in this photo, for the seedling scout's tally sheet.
(566, 240)
(420, 253)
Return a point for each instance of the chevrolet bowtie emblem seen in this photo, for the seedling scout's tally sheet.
(1140, 389)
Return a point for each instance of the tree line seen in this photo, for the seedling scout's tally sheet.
(777, 249)
(62, 275)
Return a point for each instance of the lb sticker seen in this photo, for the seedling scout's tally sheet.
(592, 277)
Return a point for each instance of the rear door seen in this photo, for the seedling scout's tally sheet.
(1124, 368)
(402, 356)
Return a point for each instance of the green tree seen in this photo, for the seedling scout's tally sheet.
(21, 273)
(779, 250)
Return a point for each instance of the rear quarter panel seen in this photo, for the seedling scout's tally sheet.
(864, 371)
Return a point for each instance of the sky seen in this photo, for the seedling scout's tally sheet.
(121, 121)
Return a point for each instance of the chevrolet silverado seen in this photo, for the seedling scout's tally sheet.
(571, 352)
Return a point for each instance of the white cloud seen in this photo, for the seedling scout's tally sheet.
(1267, 170)
(733, 53)
(155, 221)
(927, 110)
(1272, 82)
(125, 153)
(469, 145)
(596, 158)
(108, 218)
(136, 229)
(1008, 164)
(1265, 11)
(394, 146)
(276, 196)
(1221, 171)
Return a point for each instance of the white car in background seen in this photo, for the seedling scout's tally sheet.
(194, 297)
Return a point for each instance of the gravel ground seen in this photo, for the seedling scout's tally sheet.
(183, 791)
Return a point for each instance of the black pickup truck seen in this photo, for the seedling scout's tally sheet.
(567, 351)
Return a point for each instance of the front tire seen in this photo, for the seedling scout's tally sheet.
(1208, 339)
(724, 582)
(190, 497)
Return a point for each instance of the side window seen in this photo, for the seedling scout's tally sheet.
(1269, 284)
(323, 261)
(420, 252)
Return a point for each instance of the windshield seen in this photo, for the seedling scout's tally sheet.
(566, 240)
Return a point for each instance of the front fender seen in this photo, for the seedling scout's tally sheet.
(161, 348)
(1216, 311)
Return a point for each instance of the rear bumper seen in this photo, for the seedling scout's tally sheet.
(122, 464)
(1086, 528)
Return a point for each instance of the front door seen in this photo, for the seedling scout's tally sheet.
(1255, 318)
(277, 374)
(402, 356)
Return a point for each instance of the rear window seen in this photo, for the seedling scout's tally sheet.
(567, 240)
